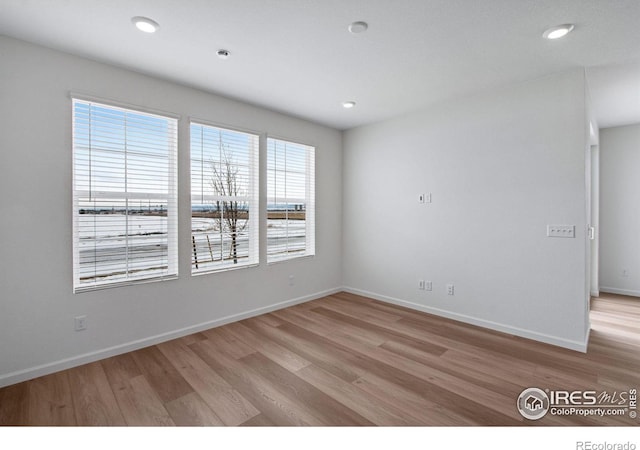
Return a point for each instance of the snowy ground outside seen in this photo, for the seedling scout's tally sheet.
(103, 239)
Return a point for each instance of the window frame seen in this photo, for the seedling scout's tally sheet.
(252, 197)
(309, 199)
(170, 199)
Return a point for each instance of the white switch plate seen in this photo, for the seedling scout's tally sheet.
(80, 323)
(427, 198)
(428, 285)
(563, 231)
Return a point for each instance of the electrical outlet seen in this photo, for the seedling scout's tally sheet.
(421, 285)
(449, 289)
(80, 323)
(424, 198)
(428, 285)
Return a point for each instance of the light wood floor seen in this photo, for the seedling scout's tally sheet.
(340, 360)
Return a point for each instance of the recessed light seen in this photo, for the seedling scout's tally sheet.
(145, 24)
(223, 54)
(358, 27)
(348, 105)
(558, 32)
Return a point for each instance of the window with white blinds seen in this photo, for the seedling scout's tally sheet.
(224, 199)
(290, 200)
(124, 196)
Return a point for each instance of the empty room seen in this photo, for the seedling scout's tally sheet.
(320, 213)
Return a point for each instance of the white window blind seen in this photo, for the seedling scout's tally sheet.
(124, 196)
(290, 200)
(224, 199)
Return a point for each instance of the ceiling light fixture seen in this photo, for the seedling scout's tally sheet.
(558, 32)
(145, 24)
(348, 105)
(223, 54)
(358, 27)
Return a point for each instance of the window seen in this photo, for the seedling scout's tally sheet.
(290, 200)
(124, 196)
(224, 199)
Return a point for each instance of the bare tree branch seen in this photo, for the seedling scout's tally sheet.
(224, 182)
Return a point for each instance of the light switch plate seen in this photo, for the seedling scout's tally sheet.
(563, 231)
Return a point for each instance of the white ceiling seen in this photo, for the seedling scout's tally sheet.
(296, 56)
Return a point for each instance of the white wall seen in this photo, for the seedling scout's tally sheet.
(500, 165)
(620, 210)
(36, 301)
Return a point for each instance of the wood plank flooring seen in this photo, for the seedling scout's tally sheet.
(339, 360)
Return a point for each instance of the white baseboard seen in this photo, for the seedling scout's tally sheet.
(548, 339)
(67, 363)
(612, 290)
